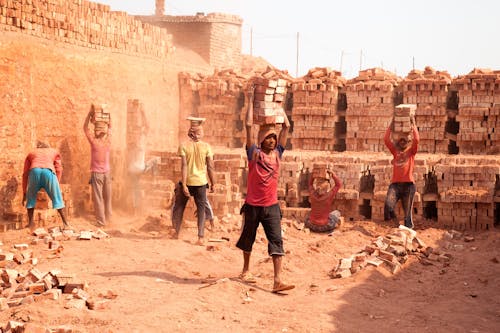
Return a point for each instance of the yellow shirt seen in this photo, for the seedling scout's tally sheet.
(196, 154)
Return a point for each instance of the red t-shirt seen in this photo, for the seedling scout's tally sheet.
(403, 161)
(321, 205)
(263, 173)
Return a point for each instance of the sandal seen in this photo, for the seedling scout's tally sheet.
(247, 277)
(282, 287)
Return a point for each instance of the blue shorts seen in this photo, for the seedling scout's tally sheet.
(46, 179)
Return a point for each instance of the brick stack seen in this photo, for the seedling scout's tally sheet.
(466, 190)
(269, 98)
(314, 112)
(101, 118)
(289, 187)
(134, 121)
(429, 91)
(85, 23)
(402, 119)
(370, 104)
(479, 112)
(221, 101)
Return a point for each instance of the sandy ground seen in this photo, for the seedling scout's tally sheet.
(167, 285)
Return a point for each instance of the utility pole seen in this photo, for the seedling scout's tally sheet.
(251, 41)
(413, 62)
(297, 60)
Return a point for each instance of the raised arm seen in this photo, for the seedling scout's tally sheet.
(416, 137)
(338, 183)
(387, 139)
(249, 117)
(86, 123)
(284, 130)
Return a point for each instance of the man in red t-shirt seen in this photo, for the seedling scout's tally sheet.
(403, 184)
(321, 218)
(261, 203)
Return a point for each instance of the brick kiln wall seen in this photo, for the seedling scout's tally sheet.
(215, 36)
(52, 73)
(84, 23)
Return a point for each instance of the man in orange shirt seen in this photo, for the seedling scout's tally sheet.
(321, 218)
(403, 184)
(43, 169)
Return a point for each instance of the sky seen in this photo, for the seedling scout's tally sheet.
(349, 35)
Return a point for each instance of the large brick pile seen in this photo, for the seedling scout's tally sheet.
(479, 112)
(314, 113)
(220, 99)
(428, 90)
(370, 105)
(84, 23)
(467, 191)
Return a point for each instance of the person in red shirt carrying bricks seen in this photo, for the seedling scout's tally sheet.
(100, 176)
(403, 184)
(43, 169)
(322, 218)
(261, 203)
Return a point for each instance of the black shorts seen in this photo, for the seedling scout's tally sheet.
(270, 217)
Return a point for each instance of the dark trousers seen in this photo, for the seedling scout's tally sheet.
(200, 198)
(404, 192)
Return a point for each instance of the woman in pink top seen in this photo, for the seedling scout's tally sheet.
(100, 176)
(322, 218)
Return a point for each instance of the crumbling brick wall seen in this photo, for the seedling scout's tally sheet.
(84, 23)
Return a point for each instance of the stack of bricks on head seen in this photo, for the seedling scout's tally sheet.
(402, 120)
(320, 170)
(101, 118)
(269, 97)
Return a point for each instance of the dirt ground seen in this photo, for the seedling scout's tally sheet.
(168, 285)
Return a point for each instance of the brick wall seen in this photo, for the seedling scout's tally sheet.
(84, 23)
(47, 90)
(216, 37)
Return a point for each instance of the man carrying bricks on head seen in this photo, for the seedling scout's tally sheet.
(321, 218)
(197, 162)
(261, 203)
(100, 176)
(403, 184)
(43, 169)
